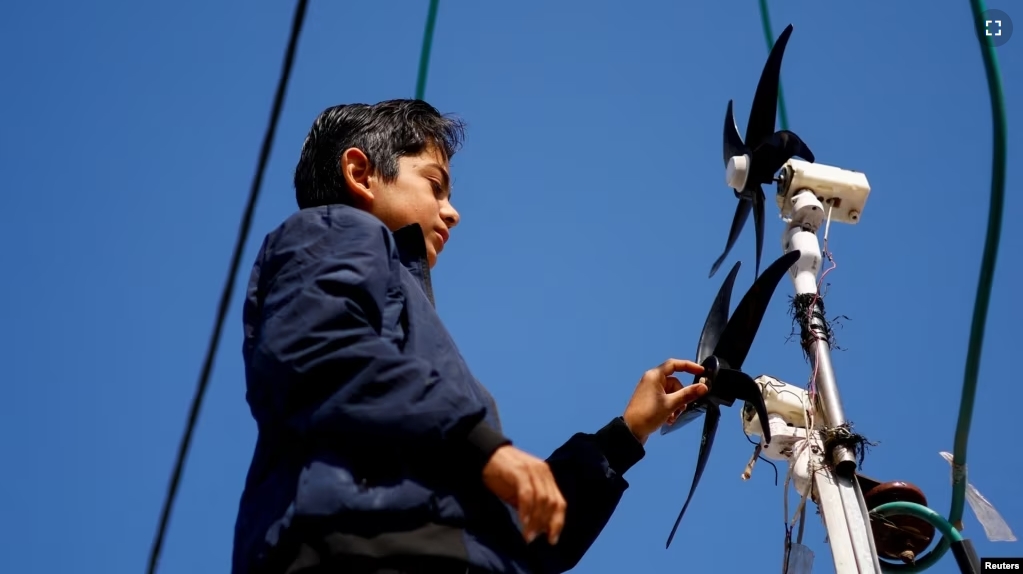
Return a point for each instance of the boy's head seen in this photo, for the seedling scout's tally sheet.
(391, 159)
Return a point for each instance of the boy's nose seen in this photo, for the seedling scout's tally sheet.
(450, 215)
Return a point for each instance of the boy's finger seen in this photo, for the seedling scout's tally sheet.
(527, 504)
(547, 508)
(557, 522)
(681, 398)
(553, 504)
(672, 366)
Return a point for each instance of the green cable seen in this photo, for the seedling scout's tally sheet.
(949, 535)
(983, 299)
(987, 266)
(922, 512)
(424, 54)
(987, 271)
(765, 19)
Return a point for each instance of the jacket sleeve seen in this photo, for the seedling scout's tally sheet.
(327, 369)
(588, 469)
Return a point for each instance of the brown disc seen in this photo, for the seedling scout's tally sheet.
(899, 537)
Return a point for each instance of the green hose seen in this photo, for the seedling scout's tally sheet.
(424, 54)
(765, 21)
(983, 297)
(987, 267)
(922, 512)
(949, 534)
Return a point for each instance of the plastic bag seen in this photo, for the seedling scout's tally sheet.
(992, 522)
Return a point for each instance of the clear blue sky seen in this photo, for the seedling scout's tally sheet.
(593, 203)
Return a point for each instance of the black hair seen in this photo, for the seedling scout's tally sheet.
(384, 132)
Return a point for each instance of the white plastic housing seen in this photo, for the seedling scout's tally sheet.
(845, 191)
(787, 401)
(737, 171)
(786, 411)
(784, 438)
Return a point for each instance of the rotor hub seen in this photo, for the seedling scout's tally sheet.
(711, 365)
(737, 172)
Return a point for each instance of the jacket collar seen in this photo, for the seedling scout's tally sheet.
(411, 247)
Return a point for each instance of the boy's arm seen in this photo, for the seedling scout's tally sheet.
(588, 469)
(330, 276)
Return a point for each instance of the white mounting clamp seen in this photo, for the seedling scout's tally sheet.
(800, 234)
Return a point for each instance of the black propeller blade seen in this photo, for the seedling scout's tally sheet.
(713, 327)
(731, 341)
(762, 154)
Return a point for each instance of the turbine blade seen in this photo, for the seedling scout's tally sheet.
(763, 114)
(742, 328)
(734, 385)
(738, 220)
(789, 145)
(693, 412)
(710, 427)
(717, 318)
(733, 145)
(758, 224)
(772, 154)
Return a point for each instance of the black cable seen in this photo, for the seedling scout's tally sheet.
(226, 294)
(760, 457)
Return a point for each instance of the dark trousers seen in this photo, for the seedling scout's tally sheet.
(371, 569)
(311, 562)
(367, 568)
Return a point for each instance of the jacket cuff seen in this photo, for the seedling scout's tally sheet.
(483, 441)
(620, 447)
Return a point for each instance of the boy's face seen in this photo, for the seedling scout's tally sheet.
(420, 194)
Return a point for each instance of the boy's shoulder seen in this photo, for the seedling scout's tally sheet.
(317, 240)
(343, 227)
(339, 218)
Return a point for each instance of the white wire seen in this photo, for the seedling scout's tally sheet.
(827, 224)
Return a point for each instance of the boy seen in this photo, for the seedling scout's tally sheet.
(378, 451)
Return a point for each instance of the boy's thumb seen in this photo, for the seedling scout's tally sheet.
(686, 395)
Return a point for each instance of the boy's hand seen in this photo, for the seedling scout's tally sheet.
(659, 397)
(526, 482)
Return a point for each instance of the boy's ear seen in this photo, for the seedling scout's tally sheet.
(358, 174)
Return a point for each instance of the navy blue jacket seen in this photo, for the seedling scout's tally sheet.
(373, 433)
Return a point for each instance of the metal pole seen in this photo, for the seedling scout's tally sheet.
(839, 495)
(829, 403)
